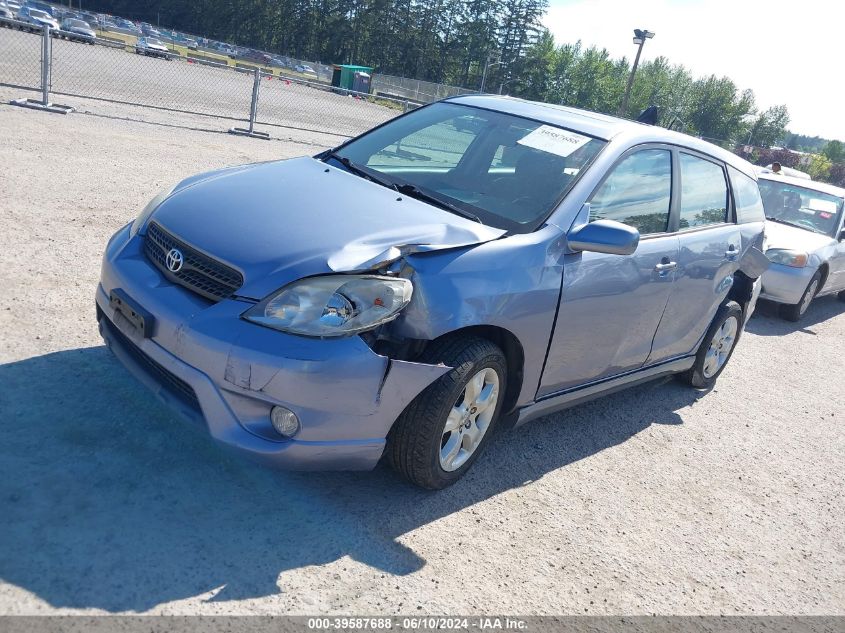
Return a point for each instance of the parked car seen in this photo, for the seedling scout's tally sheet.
(191, 44)
(252, 56)
(37, 18)
(150, 31)
(152, 47)
(306, 69)
(127, 26)
(5, 12)
(476, 263)
(41, 6)
(79, 30)
(806, 242)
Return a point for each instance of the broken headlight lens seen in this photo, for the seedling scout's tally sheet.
(335, 305)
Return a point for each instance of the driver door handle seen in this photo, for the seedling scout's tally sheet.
(665, 266)
(732, 253)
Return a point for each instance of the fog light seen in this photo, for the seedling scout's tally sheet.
(284, 421)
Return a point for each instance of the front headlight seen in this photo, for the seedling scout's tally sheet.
(787, 257)
(152, 205)
(335, 305)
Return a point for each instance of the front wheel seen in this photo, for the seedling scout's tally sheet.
(443, 431)
(796, 311)
(717, 347)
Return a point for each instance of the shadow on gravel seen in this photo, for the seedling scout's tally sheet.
(108, 502)
(766, 322)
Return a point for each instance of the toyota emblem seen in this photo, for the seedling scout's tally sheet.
(174, 260)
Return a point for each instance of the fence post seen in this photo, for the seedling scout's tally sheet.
(405, 106)
(253, 110)
(46, 59)
(45, 64)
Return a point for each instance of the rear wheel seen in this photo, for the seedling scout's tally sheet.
(443, 431)
(796, 311)
(717, 347)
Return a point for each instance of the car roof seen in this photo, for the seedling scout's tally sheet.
(601, 126)
(822, 187)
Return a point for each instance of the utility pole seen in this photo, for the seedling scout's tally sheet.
(640, 36)
(487, 64)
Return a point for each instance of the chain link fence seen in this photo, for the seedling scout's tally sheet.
(318, 107)
(20, 56)
(415, 89)
(121, 70)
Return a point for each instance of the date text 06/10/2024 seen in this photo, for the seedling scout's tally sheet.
(418, 623)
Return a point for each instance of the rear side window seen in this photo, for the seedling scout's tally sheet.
(747, 198)
(637, 192)
(704, 193)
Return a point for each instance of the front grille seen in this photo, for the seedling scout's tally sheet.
(159, 373)
(202, 274)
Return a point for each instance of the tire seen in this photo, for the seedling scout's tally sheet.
(795, 312)
(841, 296)
(704, 373)
(418, 445)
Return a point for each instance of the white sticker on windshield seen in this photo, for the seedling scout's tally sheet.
(554, 140)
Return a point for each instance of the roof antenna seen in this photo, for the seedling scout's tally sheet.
(649, 115)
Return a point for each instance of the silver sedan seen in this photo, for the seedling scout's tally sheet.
(805, 242)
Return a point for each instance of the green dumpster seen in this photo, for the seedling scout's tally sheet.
(343, 75)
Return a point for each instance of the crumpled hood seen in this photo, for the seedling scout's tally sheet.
(784, 236)
(280, 221)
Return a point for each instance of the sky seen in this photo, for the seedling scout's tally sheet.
(786, 52)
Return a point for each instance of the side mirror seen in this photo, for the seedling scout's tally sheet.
(604, 236)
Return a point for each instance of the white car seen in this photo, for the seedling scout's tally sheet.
(152, 47)
(805, 242)
(38, 18)
(79, 30)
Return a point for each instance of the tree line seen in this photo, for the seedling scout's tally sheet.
(454, 41)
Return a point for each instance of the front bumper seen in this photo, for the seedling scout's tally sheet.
(226, 374)
(785, 284)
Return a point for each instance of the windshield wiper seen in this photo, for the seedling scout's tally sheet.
(359, 171)
(411, 190)
(806, 227)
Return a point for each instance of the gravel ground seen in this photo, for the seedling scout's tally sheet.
(655, 500)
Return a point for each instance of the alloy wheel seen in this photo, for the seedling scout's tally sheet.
(809, 295)
(469, 419)
(720, 347)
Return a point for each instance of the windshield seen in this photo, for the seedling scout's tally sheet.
(152, 40)
(801, 206)
(506, 170)
(77, 24)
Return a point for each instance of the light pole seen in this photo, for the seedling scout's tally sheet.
(640, 36)
(487, 65)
